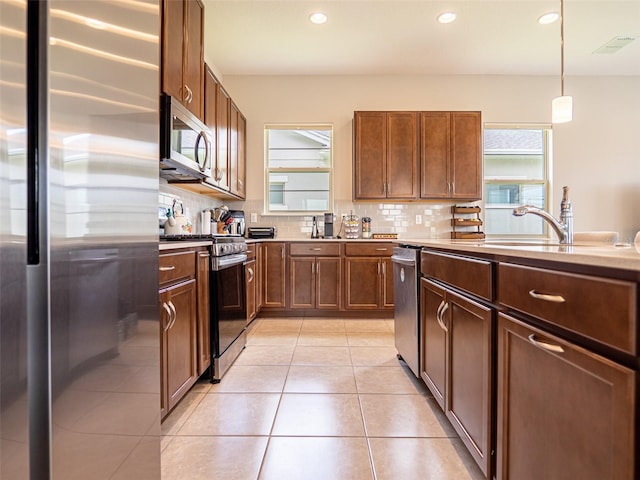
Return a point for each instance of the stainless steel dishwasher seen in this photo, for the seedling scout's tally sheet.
(406, 268)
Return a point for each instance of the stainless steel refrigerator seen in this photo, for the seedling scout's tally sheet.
(79, 333)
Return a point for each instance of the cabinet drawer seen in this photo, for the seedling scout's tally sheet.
(324, 249)
(176, 266)
(599, 308)
(369, 249)
(469, 274)
(251, 251)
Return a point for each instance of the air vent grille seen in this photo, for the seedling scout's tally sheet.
(615, 44)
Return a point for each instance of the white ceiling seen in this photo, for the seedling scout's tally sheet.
(364, 37)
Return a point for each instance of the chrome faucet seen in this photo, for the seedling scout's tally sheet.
(563, 227)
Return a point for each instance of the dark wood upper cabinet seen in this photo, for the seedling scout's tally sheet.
(417, 155)
(183, 53)
(385, 155)
(451, 155)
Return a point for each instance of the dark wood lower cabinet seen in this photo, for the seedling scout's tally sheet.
(564, 413)
(434, 340)
(315, 282)
(469, 393)
(368, 283)
(457, 358)
(204, 319)
(250, 282)
(178, 342)
(274, 275)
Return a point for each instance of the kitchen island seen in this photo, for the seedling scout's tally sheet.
(532, 351)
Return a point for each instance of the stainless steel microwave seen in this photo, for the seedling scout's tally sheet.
(185, 143)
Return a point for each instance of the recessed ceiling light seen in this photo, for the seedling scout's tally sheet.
(446, 17)
(318, 18)
(548, 18)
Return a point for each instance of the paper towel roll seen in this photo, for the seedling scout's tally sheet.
(206, 222)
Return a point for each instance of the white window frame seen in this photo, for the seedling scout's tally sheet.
(281, 170)
(546, 181)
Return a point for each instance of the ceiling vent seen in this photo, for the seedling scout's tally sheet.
(616, 44)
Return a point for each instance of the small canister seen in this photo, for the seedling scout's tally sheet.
(366, 227)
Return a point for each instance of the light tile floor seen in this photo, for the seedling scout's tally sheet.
(314, 399)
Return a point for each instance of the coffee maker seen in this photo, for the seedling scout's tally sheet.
(328, 225)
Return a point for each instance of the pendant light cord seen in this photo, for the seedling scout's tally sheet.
(562, 48)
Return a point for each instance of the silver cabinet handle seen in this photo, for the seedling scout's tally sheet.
(315, 249)
(381, 249)
(251, 275)
(203, 255)
(189, 94)
(166, 308)
(168, 268)
(441, 309)
(175, 315)
(547, 297)
(544, 345)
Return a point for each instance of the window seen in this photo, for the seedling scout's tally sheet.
(516, 171)
(299, 168)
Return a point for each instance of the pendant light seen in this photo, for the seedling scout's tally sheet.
(562, 106)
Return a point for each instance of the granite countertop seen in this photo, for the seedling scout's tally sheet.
(622, 256)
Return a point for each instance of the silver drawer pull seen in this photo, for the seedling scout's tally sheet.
(381, 249)
(316, 249)
(544, 345)
(168, 268)
(204, 254)
(547, 296)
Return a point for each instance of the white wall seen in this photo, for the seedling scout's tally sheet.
(597, 155)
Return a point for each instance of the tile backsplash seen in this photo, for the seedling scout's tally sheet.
(408, 220)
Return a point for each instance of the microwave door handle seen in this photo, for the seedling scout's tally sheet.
(196, 150)
(207, 157)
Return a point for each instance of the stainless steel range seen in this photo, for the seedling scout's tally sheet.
(228, 311)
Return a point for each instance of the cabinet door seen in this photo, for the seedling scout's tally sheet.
(466, 155)
(402, 155)
(172, 47)
(204, 320)
(180, 341)
(193, 74)
(211, 86)
(362, 283)
(386, 294)
(370, 146)
(468, 397)
(250, 276)
(302, 271)
(433, 344)
(259, 275)
(563, 412)
(273, 279)
(434, 154)
(241, 190)
(233, 148)
(224, 103)
(328, 283)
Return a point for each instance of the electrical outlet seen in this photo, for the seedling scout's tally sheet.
(418, 219)
(254, 217)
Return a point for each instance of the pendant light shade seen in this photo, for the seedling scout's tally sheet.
(562, 106)
(562, 109)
